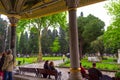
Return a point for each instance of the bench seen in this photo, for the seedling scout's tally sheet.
(23, 70)
(57, 75)
(40, 72)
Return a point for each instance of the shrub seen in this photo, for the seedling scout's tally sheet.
(117, 74)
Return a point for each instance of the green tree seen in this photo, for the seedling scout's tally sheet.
(55, 20)
(55, 47)
(46, 41)
(81, 21)
(63, 41)
(23, 43)
(89, 28)
(112, 39)
(98, 45)
(3, 34)
(112, 35)
(46, 22)
(33, 41)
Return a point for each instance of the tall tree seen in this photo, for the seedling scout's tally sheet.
(81, 21)
(55, 20)
(98, 45)
(45, 22)
(46, 41)
(3, 34)
(33, 41)
(63, 41)
(89, 28)
(55, 47)
(112, 35)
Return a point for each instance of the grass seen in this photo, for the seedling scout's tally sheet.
(30, 60)
(107, 64)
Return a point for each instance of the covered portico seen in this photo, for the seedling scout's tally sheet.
(26, 9)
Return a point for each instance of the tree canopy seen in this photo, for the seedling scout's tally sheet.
(89, 28)
(112, 35)
(38, 25)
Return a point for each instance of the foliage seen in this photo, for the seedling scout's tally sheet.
(63, 41)
(37, 25)
(112, 39)
(3, 34)
(117, 74)
(46, 41)
(98, 45)
(104, 65)
(23, 47)
(89, 28)
(112, 35)
(33, 41)
(22, 25)
(29, 60)
(55, 47)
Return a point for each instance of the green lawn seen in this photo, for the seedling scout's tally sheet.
(107, 64)
(34, 59)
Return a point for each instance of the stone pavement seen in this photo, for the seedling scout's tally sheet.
(63, 70)
(40, 65)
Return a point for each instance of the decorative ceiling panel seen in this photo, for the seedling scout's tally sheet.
(37, 8)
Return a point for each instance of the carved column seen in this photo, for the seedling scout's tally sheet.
(13, 22)
(74, 49)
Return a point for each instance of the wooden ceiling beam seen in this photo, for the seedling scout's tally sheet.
(46, 4)
(7, 5)
(18, 5)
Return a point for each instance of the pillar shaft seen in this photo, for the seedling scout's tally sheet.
(74, 56)
(13, 22)
(74, 49)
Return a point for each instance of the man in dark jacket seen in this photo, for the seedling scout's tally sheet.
(94, 74)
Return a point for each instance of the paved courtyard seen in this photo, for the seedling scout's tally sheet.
(63, 70)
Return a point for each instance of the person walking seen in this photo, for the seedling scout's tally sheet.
(8, 66)
(63, 57)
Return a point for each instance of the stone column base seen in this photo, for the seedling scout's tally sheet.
(75, 76)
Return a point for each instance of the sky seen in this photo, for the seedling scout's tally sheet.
(97, 10)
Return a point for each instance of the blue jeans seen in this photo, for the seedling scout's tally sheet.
(7, 75)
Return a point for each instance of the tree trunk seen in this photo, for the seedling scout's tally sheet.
(81, 47)
(40, 48)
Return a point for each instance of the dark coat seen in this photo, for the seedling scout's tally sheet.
(2, 62)
(94, 74)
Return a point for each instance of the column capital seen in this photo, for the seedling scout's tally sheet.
(72, 3)
(13, 20)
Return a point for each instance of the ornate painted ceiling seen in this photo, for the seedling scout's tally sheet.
(37, 8)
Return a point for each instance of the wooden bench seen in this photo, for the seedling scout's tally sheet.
(24, 70)
(57, 75)
(40, 72)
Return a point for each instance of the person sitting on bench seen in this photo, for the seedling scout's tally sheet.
(94, 73)
(83, 72)
(52, 66)
(46, 66)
